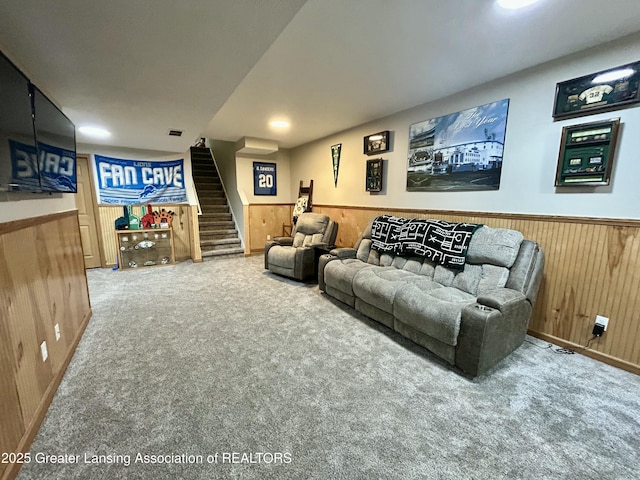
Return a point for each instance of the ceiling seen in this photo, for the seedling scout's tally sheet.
(225, 68)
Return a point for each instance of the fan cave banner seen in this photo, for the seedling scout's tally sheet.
(133, 182)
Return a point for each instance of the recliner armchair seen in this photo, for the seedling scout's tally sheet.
(295, 256)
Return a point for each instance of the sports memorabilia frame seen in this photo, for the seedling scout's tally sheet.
(606, 90)
(587, 153)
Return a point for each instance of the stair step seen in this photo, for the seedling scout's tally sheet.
(218, 231)
(204, 180)
(216, 216)
(212, 200)
(216, 224)
(210, 194)
(226, 251)
(209, 187)
(220, 243)
(218, 235)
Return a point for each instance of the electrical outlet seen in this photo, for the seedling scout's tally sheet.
(44, 351)
(268, 237)
(602, 321)
(56, 328)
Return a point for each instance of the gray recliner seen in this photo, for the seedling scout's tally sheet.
(295, 256)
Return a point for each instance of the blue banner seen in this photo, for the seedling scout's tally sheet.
(133, 182)
(56, 167)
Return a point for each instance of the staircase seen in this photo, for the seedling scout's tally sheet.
(218, 234)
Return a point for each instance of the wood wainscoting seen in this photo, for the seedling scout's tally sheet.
(592, 268)
(42, 284)
(264, 220)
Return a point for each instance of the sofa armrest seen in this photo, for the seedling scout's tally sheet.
(324, 260)
(285, 241)
(501, 298)
(344, 252)
(491, 329)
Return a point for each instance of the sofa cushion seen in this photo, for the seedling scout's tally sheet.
(338, 274)
(282, 256)
(497, 246)
(377, 286)
(436, 313)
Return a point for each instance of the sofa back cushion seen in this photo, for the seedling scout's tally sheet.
(495, 246)
(309, 228)
(491, 254)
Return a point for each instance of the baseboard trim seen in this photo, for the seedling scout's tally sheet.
(33, 427)
(602, 357)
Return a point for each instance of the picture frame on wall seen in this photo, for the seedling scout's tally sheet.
(373, 179)
(264, 178)
(586, 154)
(376, 143)
(606, 90)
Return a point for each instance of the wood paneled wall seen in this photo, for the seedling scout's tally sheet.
(180, 224)
(42, 284)
(262, 220)
(592, 268)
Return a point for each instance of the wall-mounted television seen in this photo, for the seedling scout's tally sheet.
(37, 141)
(18, 152)
(56, 140)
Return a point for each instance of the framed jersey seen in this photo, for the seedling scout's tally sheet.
(607, 90)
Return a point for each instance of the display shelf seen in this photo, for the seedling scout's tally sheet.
(145, 248)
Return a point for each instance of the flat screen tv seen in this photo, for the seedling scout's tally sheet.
(18, 150)
(56, 141)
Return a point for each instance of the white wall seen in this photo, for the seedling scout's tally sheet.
(530, 156)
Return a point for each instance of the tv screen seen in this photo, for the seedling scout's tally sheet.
(56, 140)
(18, 153)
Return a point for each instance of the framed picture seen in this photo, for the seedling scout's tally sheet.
(374, 175)
(605, 90)
(376, 143)
(586, 153)
(264, 178)
(458, 151)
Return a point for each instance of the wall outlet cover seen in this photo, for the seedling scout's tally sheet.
(56, 329)
(602, 321)
(44, 351)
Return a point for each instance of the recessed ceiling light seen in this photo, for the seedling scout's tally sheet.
(95, 132)
(514, 4)
(279, 124)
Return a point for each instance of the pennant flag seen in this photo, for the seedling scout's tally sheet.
(335, 157)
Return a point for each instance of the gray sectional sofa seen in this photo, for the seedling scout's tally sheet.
(471, 318)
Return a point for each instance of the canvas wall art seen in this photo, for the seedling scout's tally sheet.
(459, 151)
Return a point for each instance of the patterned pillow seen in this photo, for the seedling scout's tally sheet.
(301, 206)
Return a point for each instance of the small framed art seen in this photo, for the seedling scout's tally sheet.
(376, 143)
(374, 175)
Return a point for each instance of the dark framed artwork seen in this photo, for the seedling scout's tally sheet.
(376, 143)
(586, 153)
(605, 90)
(374, 175)
(264, 178)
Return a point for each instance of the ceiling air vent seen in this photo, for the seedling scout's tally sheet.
(175, 133)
